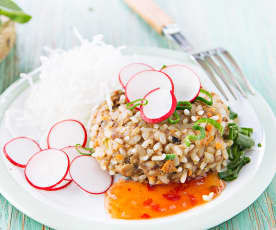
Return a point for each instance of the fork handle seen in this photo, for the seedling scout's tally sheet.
(151, 13)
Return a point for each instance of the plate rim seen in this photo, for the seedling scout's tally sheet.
(13, 91)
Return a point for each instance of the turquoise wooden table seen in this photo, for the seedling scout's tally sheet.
(247, 28)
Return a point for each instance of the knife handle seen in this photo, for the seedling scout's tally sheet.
(151, 13)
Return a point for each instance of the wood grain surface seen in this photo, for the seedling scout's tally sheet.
(246, 27)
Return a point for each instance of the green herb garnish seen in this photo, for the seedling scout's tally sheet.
(190, 138)
(134, 104)
(212, 122)
(196, 126)
(242, 141)
(11, 10)
(170, 156)
(163, 67)
(202, 99)
(259, 145)
(232, 114)
(181, 105)
(174, 121)
(80, 149)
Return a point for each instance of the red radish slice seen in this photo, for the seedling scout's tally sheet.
(129, 70)
(61, 185)
(20, 149)
(186, 82)
(143, 82)
(87, 174)
(67, 133)
(161, 105)
(71, 152)
(47, 168)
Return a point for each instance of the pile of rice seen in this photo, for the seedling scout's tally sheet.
(125, 144)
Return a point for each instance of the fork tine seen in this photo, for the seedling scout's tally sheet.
(237, 68)
(230, 74)
(211, 62)
(211, 75)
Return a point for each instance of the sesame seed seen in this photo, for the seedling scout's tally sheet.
(186, 112)
(193, 118)
(200, 112)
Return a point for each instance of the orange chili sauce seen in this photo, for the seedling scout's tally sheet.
(134, 200)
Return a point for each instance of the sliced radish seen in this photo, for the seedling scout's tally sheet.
(61, 185)
(143, 82)
(186, 82)
(161, 105)
(72, 151)
(87, 174)
(47, 168)
(129, 70)
(67, 133)
(20, 149)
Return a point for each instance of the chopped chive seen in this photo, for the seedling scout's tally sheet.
(190, 138)
(79, 147)
(196, 126)
(212, 122)
(176, 120)
(232, 114)
(170, 156)
(163, 67)
(181, 105)
(237, 159)
(133, 104)
(202, 99)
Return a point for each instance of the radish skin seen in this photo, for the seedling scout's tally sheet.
(156, 110)
(145, 81)
(65, 183)
(42, 166)
(65, 135)
(186, 80)
(85, 170)
(8, 152)
(130, 70)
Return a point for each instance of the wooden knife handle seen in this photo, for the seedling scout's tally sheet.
(151, 13)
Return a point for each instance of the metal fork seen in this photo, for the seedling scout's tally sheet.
(218, 63)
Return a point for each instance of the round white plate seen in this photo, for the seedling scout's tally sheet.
(73, 209)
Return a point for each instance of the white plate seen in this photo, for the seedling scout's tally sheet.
(73, 209)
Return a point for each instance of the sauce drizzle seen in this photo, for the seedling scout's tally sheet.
(134, 200)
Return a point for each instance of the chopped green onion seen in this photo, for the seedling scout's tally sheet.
(232, 114)
(170, 156)
(196, 126)
(212, 122)
(259, 145)
(79, 147)
(133, 104)
(181, 105)
(244, 142)
(11, 10)
(233, 172)
(190, 138)
(176, 120)
(246, 131)
(163, 67)
(202, 99)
